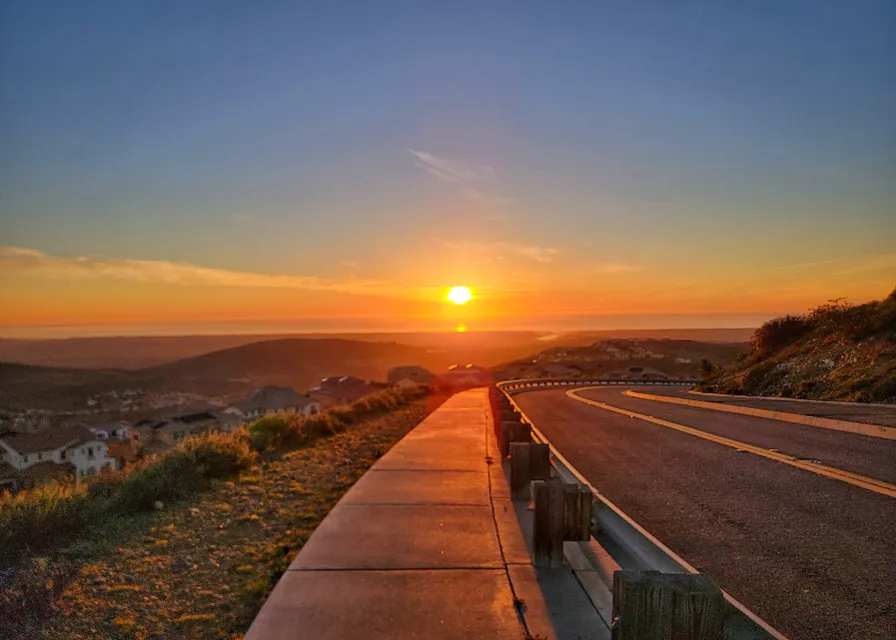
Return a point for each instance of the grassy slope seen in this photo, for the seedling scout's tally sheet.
(842, 352)
(202, 569)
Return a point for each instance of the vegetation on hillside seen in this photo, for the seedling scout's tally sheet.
(201, 567)
(48, 535)
(837, 351)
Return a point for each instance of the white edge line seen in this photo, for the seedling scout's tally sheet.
(765, 626)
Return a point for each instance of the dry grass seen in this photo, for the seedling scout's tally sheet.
(202, 569)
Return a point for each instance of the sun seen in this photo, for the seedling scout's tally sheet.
(460, 295)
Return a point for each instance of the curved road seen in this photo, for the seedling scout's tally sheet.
(814, 556)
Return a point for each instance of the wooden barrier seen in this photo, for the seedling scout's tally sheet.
(649, 605)
(549, 525)
(577, 513)
(528, 461)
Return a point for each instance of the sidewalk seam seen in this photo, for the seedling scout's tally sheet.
(519, 613)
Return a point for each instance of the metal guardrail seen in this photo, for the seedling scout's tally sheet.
(631, 546)
(511, 387)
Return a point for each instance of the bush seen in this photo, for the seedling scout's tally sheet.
(779, 333)
(268, 432)
(40, 518)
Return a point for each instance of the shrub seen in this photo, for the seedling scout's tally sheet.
(779, 333)
(268, 432)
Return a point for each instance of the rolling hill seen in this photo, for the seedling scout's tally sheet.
(837, 351)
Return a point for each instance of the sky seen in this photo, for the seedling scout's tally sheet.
(341, 164)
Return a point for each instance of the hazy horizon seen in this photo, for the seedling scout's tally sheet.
(343, 326)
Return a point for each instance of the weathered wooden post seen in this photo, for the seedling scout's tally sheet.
(513, 432)
(539, 461)
(549, 524)
(519, 469)
(649, 605)
(577, 516)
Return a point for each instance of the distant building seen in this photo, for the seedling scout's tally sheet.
(57, 452)
(161, 434)
(120, 430)
(334, 391)
(410, 376)
(274, 400)
(466, 377)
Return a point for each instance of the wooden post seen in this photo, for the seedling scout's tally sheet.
(578, 512)
(539, 461)
(519, 469)
(549, 526)
(649, 605)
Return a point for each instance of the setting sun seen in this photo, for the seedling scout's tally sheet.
(460, 295)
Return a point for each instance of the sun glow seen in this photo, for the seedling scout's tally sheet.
(460, 295)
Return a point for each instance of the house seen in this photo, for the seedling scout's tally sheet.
(75, 448)
(334, 390)
(10, 480)
(161, 434)
(274, 400)
(120, 430)
(466, 376)
(410, 376)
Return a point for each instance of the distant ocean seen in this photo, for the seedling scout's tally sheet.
(558, 324)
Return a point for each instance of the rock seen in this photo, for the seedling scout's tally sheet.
(160, 505)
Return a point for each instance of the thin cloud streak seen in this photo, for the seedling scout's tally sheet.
(471, 180)
(38, 263)
(496, 249)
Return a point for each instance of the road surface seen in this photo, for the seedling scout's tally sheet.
(884, 415)
(814, 556)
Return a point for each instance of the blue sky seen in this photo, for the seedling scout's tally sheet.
(360, 141)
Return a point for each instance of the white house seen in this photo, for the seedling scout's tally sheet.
(273, 400)
(120, 430)
(76, 449)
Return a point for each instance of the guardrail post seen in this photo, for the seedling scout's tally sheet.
(539, 461)
(549, 524)
(513, 432)
(577, 514)
(649, 605)
(519, 469)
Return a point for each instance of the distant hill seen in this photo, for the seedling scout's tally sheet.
(676, 358)
(585, 338)
(232, 372)
(138, 352)
(837, 351)
(29, 387)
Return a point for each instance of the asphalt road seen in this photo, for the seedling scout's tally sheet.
(814, 556)
(851, 411)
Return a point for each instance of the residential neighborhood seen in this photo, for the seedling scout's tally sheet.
(32, 456)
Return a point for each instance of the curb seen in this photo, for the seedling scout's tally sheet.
(860, 428)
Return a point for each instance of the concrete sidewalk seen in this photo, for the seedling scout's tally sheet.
(428, 544)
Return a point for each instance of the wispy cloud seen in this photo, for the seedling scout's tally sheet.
(498, 250)
(32, 261)
(474, 182)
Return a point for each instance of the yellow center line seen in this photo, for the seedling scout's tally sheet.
(871, 484)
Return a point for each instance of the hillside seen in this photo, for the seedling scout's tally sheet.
(677, 358)
(140, 352)
(837, 351)
(230, 373)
